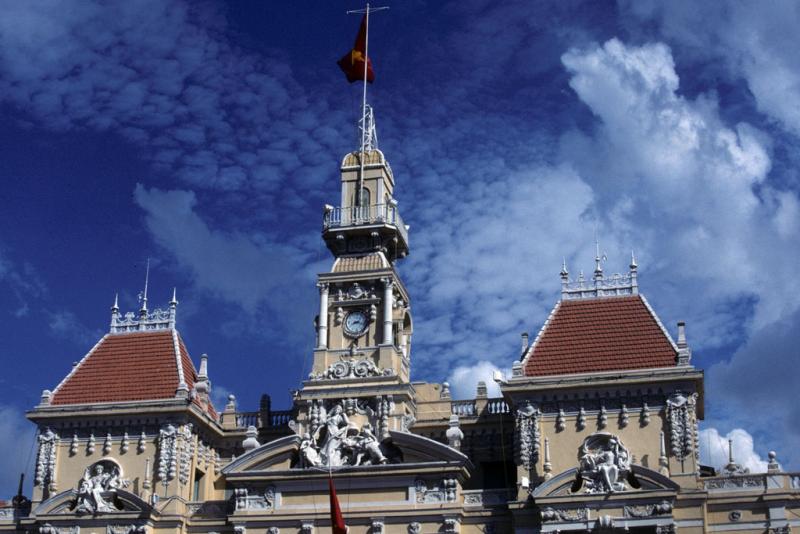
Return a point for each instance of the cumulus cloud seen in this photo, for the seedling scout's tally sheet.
(754, 43)
(714, 449)
(464, 380)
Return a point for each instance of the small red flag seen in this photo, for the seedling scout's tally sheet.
(337, 521)
(352, 64)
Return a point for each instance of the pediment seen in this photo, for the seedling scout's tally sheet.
(560, 485)
(64, 503)
(282, 454)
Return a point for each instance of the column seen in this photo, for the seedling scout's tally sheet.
(387, 310)
(322, 324)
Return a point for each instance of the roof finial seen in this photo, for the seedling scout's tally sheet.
(564, 271)
(144, 293)
(115, 307)
(598, 268)
(633, 264)
(174, 301)
(173, 306)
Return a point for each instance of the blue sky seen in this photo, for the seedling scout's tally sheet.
(207, 137)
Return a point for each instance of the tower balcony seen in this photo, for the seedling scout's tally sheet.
(357, 229)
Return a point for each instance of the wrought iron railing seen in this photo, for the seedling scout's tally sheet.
(364, 215)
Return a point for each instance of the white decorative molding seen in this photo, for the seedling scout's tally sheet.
(648, 510)
(435, 492)
(528, 435)
(47, 528)
(570, 515)
(46, 460)
(245, 500)
(414, 528)
(682, 422)
(167, 454)
(126, 529)
(107, 444)
(451, 525)
(604, 463)
(453, 433)
(362, 368)
(377, 525)
(141, 446)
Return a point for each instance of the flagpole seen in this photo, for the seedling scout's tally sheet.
(363, 111)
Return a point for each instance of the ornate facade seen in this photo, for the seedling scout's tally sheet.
(596, 428)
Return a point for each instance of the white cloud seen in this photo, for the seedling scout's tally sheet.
(249, 270)
(714, 450)
(754, 43)
(464, 380)
(17, 451)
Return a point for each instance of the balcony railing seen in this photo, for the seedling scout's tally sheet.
(754, 482)
(365, 215)
(468, 408)
(256, 419)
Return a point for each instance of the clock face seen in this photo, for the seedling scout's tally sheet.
(355, 323)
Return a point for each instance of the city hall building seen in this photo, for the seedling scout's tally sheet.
(596, 429)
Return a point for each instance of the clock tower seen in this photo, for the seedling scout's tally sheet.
(364, 326)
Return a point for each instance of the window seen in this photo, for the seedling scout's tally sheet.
(198, 484)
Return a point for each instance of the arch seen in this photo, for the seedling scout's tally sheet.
(560, 484)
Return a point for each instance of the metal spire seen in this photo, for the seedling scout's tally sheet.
(115, 307)
(146, 281)
(633, 264)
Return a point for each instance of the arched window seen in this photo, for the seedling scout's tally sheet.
(362, 211)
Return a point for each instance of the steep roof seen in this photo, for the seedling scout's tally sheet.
(600, 334)
(133, 366)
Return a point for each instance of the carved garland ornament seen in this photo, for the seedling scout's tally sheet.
(175, 449)
(46, 460)
(528, 435)
(683, 424)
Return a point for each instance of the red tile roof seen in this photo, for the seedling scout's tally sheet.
(128, 367)
(600, 334)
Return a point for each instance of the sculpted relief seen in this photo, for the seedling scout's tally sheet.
(605, 465)
(334, 440)
(97, 490)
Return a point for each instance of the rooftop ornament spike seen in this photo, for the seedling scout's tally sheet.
(146, 320)
(601, 285)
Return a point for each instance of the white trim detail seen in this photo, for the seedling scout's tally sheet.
(176, 347)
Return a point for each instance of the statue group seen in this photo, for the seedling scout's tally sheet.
(339, 442)
(97, 489)
(605, 464)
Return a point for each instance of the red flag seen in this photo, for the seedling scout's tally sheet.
(352, 64)
(337, 521)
